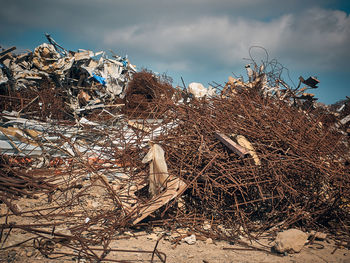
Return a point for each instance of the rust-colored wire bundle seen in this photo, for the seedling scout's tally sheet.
(94, 194)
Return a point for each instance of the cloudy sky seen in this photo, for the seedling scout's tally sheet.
(200, 40)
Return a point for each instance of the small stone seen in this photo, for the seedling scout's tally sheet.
(318, 235)
(291, 240)
(209, 241)
(191, 240)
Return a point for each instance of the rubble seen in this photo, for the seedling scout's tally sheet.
(318, 235)
(209, 241)
(84, 78)
(290, 241)
(191, 240)
(100, 149)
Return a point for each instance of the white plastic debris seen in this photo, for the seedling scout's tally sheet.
(199, 91)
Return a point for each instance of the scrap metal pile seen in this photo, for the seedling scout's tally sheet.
(80, 173)
(55, 81)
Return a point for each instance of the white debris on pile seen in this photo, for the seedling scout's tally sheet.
(199, 91)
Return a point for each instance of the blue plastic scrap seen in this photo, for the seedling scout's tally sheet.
(99, 79)
(125, 63)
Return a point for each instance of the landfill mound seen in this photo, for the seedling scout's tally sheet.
(91, 148)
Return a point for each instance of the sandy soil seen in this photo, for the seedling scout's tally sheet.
(200, 252)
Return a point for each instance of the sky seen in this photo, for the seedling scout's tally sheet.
(200, 40)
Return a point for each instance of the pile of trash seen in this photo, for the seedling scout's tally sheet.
(129, 150)
(86, 79)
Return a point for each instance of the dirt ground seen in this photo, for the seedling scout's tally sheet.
(140, 244)
(201, 252)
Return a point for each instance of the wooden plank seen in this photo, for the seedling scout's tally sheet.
(241, 151)
(175, 187)
(7, 51)
(3, 54)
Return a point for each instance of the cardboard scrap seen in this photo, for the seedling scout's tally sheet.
(246, 144)
(158, 172)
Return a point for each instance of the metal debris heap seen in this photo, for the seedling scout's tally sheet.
(246, 161)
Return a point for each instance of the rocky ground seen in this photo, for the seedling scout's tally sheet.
(200, 252)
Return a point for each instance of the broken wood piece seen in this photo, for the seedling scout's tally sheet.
(22, 57)
(3, 54)
(127, 195)
(18, 134)
(13, 207)
(33, 77)
(240, 150)
(175, 187)
(7, 51)
(84, 97)
(139, 126)
(345, 120)
(83, 55)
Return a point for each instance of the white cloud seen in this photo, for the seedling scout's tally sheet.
(317, 38)
(202, 38)
(218, 38)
